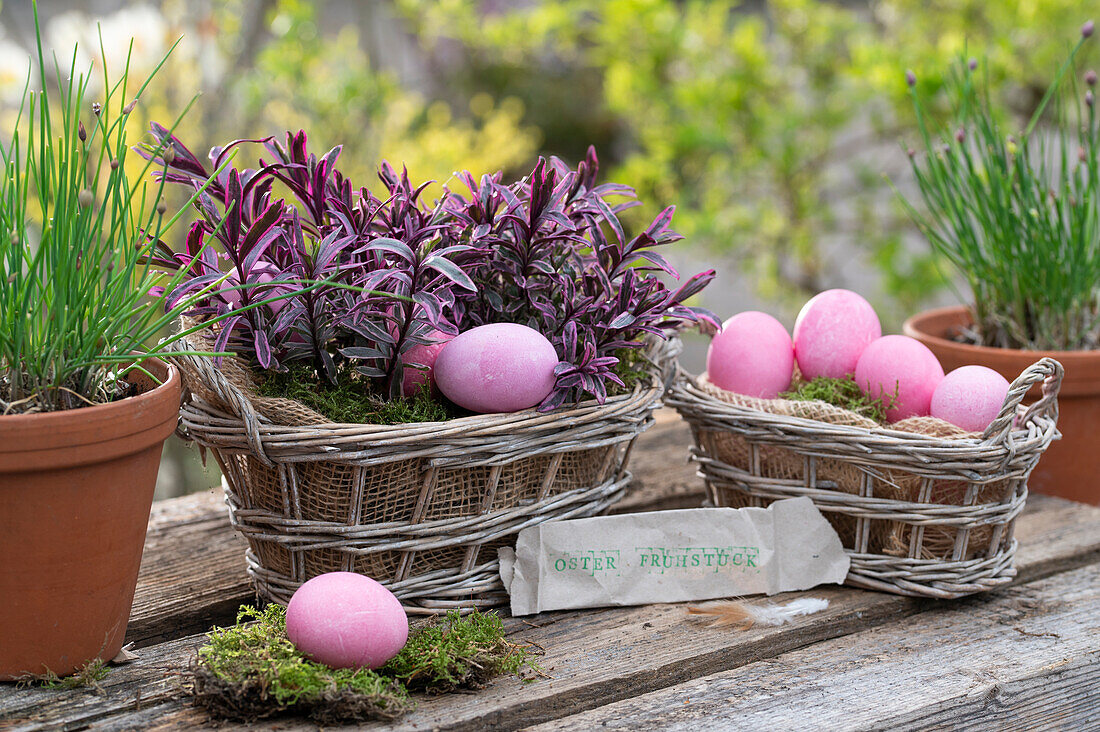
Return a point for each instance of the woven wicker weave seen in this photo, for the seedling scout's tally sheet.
(919, 514)
(420, 507)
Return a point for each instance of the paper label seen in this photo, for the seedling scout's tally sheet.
(672, 556)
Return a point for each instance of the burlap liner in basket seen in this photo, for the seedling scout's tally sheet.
(923, 507)
(420, 507)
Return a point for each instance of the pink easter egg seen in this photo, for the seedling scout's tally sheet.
(425, 355)
(277, 305)
(970, 397)
(500, 367)
(831, 332)
(346, 620)
(751, 355)
(902, 364)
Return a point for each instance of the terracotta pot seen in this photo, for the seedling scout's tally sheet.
(75, 493)
(1070, 468)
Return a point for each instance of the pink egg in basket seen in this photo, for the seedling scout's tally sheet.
(970, 397)
(751, 355)
(904, 371)
(500, 367)
(831, 332)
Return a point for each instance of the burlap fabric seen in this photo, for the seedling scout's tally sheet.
(922, 506)
(884, 536)
(420, 507)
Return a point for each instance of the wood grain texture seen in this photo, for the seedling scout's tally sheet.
(663, 477)
(193, 576)
(1024, 658)
(599, 657)
(153, 678)
(192, 572)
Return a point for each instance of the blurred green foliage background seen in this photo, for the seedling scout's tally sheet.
(772, 125)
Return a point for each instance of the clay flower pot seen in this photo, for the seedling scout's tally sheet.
(1071, 466)
(75, 492)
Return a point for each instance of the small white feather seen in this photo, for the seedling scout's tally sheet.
(781, 614)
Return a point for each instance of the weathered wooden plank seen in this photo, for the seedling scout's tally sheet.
(663, 477)
(152, 679)
(1056, 535)
(602, 655)
(598, 657)
(192, 576)
(192, 572)
(1028, 658)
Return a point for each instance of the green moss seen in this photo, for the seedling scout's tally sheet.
(633, 368)
(88, 676)
(842, 392)
(459, 651)
(350, 401)
(251, 670)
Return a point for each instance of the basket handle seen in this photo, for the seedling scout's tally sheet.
(201, 369)
(1045, 370)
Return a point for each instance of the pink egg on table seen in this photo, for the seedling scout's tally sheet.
(831, 332)
(970, 397)
(346, 620)
(897, 363)
(751, 355)
(500, 367)
(425, 355)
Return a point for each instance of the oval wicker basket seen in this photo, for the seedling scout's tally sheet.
(421, 507)
(918, 515)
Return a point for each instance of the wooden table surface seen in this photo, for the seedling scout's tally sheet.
(1024, 657)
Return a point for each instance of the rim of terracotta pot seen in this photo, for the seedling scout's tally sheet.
(94, 434)
(931, 326)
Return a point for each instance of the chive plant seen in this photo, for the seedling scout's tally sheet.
(1017, 214)
(75, 304)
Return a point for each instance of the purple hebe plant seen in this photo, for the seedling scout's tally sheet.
(555, 257)
(349, 278)
(344, 278)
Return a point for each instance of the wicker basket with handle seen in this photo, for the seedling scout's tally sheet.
(420, 507)
(919, 514)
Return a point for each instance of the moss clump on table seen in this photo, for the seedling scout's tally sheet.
(458, 653)
(842, 392)
(85, 677)
(252, 671)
